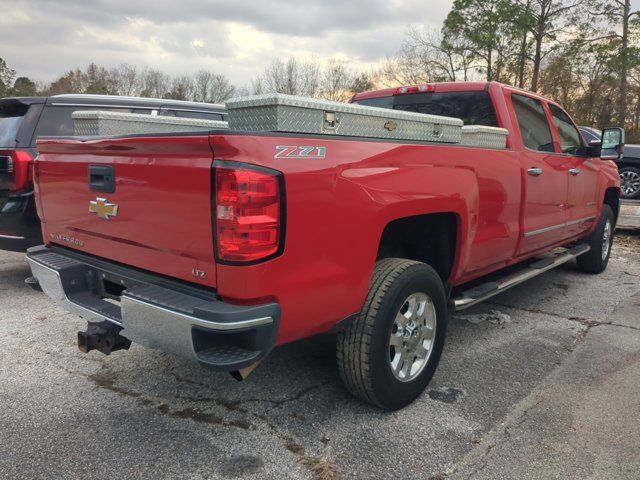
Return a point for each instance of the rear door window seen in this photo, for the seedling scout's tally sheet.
(56, 121)
(570, 140)
(534, 127)
(11, 115)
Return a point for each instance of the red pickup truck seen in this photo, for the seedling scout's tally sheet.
(219, 247)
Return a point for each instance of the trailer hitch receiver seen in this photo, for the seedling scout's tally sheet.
(104, 337)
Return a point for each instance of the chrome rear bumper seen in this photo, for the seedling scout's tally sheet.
(192, 324)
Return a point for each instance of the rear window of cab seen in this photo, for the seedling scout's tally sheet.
(474, 108)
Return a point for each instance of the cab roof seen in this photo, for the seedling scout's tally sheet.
(99, 100)
(433, 87)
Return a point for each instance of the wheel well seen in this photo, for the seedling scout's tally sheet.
(612, 198)
(623, 163)
(425, 238)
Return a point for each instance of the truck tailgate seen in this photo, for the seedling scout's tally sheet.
(157, 216)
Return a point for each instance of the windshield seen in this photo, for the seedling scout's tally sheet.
(474, 108)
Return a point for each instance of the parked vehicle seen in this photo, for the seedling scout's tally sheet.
(24, 119)
(219, 247)
(628, 165)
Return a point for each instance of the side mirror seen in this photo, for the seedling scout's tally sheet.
(612, 144)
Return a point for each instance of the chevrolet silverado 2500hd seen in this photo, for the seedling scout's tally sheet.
(219, 247)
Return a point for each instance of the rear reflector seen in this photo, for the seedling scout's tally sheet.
(248, 213)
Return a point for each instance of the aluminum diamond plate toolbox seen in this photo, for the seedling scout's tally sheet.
(106, 123)
(287, 113)
(484, 137)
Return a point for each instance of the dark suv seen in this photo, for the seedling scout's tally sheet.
(23, 119)
(628, 165)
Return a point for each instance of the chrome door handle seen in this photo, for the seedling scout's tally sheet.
(534, 171)
(574, 171)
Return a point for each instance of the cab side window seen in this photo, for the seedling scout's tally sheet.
(568, 133)
(534, 127)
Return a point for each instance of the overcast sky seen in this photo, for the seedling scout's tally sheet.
(43, 39)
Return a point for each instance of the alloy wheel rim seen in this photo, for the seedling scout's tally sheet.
(630, 182)
(606, 240)
(412, 337)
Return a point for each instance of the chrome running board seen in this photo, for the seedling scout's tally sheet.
(487, 290)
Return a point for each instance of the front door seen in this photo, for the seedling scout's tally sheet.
(545, 175)
(582, 204)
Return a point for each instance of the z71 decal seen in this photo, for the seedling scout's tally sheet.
(286, 151)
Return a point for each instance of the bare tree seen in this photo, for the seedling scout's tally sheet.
(71, 82)
(337, 80)
(257, 86)
(430, 56)
(212, 87)
(181, 88)
(155, 83)
(283, 77)
(311, 78)
(98, 80)
(221, 89)
(127, 80)
(201, 85)
(362, 82)
(291, 76)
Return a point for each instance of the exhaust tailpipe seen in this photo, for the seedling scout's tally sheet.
(243, 373)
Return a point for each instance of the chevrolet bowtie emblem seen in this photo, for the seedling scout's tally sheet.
(102, 208)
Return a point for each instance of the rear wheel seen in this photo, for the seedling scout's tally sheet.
(630, 182)
(389, 353)
(600, 241)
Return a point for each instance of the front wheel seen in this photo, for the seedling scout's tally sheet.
(600, 241)
(389, 353)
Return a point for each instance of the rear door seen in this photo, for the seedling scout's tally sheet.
(544, 176)
(581, 206)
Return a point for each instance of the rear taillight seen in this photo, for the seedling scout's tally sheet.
(15, 170)
(248, 213)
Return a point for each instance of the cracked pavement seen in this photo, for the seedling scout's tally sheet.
(542, 392)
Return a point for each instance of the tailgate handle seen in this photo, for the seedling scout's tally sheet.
(102, 178)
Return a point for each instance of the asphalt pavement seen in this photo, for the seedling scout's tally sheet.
(542, 381)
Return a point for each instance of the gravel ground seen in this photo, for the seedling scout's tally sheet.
(143, 414)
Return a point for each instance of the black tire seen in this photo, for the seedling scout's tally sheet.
(596, 259)
(630, 180)
(363, 349)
